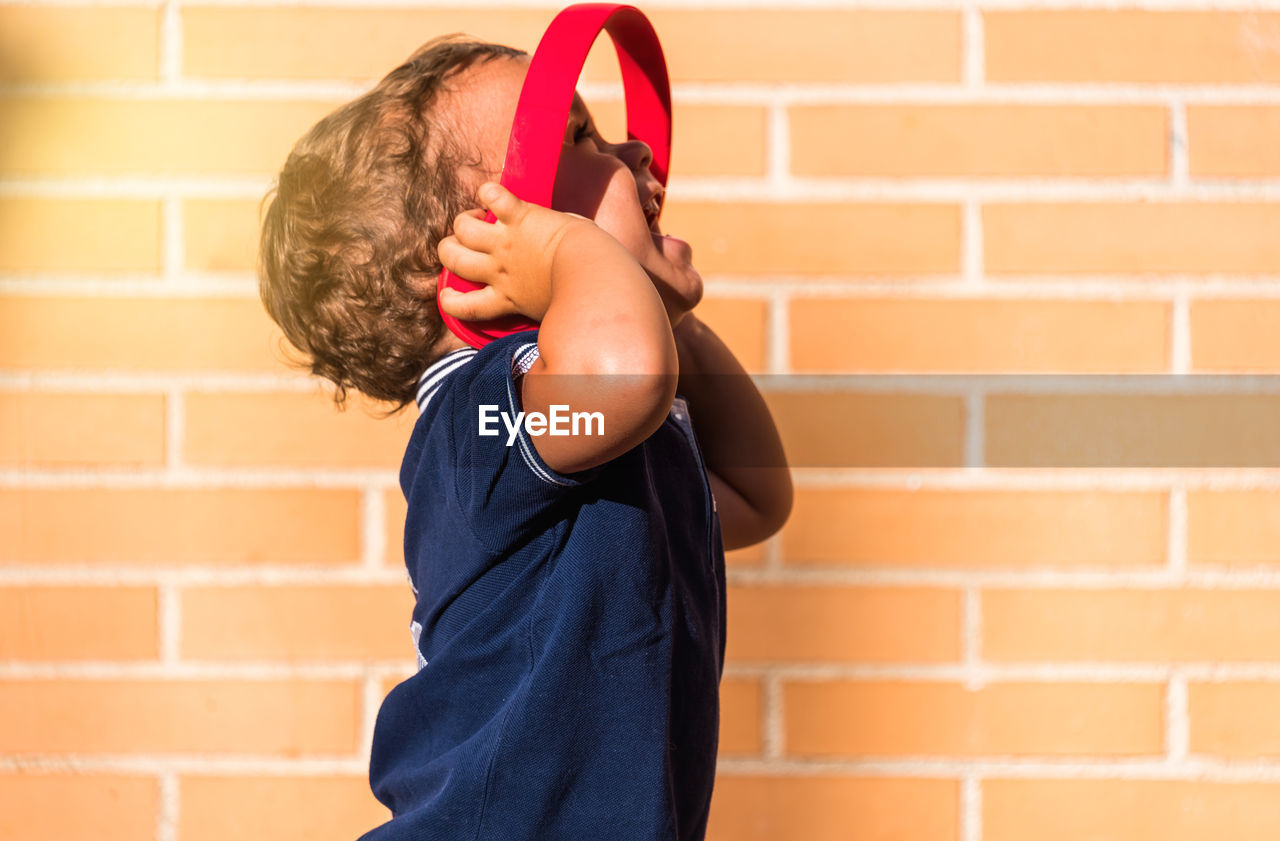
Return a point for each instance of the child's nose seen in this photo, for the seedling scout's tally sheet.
(636, 154)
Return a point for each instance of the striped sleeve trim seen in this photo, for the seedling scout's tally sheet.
(524, 357)
(431, 380)
(521, 361)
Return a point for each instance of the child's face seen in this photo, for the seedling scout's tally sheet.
(608, 182)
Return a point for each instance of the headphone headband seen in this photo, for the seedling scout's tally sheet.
(537, 134)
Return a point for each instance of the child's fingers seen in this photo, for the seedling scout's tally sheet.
(480, 305)
(475, 233)
(463, 261)
(505, 204)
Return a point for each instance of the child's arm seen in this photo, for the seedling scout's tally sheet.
(604, 345)
(740, 444)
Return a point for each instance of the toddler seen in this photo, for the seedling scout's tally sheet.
(570, 613)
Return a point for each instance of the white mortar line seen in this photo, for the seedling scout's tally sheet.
(1092, 479)
(169, 617)
(971, 807)
(971, 255)
(175, 417)
(774, 717)
(1179, 165)
(170, 60)
(1180, 328)
(1198, 770)
(356, 670)
(974, 38)
(1150, 578)
(778, 349)
(168, 815)
(971, 638)
(778, 148)
(1176, 535)
(791, 190)
(171, 240)
(373, 531)
(975, 429)
(1177, 719)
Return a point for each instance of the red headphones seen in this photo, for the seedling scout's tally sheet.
(537, 135)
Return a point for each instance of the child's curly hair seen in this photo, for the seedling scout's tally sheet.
(347, 261)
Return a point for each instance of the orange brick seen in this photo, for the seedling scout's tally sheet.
(36, 806)
(150, 334)
(825, 808)
(67, 136)
(946, 529)
(978, 335)
(894, 718)
(978, 140)
(1182, 625)
(297, 623)
(294, 430)
(178, 526)
(1131, 430)
(1131, 46)
(757, 238)
(843, 624)
(110, 235)
(1171, 810)
(52, 44)
(845, 429)
(281, 717)
(1146, 238)
(396, 509)
(49, 623)
(1235, 336)
(725, 45)
(221, 235)
(741, 324)
(280, 808)
(1233, 527)
(748, 556)
(1234, 719)
(1232, 141)
(336, 43)
(741, 721)
(61, 430)
(762, 45)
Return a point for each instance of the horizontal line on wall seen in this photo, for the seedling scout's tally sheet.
(1141, 287)
(1090, 672)
(1165, 94)
(352, 574)
(1191, 769)
(187, 478)
(1152, 579)
(116, 381)
(909, 478)
(1025, 478)
(262, 670)
(188, 763)
(142, 286)
(763, 189)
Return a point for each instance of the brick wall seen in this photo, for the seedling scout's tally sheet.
(1005, 608)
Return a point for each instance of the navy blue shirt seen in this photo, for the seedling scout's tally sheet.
(570, 629)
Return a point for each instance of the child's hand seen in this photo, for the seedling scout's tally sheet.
(512, 257)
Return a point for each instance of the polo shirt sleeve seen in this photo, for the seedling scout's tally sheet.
(502, 486)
